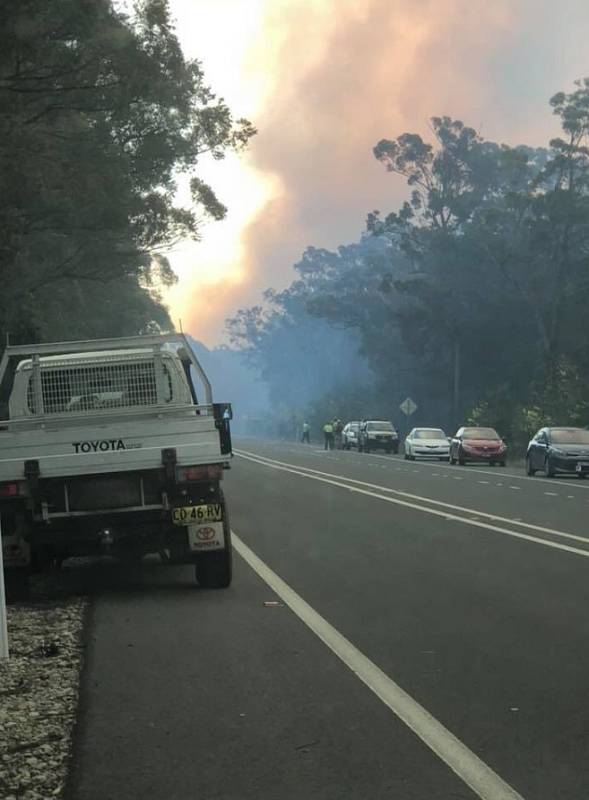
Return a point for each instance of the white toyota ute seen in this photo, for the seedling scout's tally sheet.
(113, 446)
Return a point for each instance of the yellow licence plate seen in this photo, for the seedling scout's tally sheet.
(188, 515)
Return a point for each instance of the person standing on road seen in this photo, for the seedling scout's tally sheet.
(306, 437)
(328, 433)
(338, 429)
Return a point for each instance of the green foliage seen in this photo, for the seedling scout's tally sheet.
(473, 295)
(100, 114)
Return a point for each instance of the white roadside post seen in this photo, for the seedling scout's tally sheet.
(3, 625)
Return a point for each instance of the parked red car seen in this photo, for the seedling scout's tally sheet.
(478, 444)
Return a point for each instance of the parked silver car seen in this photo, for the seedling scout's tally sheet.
(378, 435)
(350, 435)
(554, 450)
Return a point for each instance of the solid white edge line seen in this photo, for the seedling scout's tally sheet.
(444, 514)
(420, 498)
(462, 761)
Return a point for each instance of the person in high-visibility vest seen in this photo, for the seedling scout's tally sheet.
(328, 433)
(305, 438)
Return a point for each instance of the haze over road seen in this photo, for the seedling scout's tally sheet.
(465, 587)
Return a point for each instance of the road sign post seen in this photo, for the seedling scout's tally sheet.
(3, 625)
(408, 407)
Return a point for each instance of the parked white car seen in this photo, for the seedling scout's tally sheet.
(427, 443)
(350, 435)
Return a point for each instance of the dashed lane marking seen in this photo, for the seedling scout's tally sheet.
(336, 480)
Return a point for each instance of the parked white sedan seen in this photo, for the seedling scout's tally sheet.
(427, 443)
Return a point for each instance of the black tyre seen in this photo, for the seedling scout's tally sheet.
(461, 460)
(388, 451)
(502, 463)
(215, 570)
(549, 470)
(406, 457)
(366, 448)
(452, 460)
(529, 469)
(395, 449)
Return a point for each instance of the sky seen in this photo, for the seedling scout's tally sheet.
(323, 81)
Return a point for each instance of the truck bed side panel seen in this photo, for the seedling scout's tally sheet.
(116, 446)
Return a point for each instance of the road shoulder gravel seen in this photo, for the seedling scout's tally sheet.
(39, 686)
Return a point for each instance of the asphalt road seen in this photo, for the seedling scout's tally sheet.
(431, 642)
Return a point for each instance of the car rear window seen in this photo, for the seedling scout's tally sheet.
(379, 426)
(430, 433)
(569, 435)
(480, 433)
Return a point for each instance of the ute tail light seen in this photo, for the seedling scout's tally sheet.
(9, 490)
(207, 472)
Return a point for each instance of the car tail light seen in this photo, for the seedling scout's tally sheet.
(9, 490)
(207, 472)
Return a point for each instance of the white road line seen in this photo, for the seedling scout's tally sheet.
(551, 494)
(516, 487)
(477, 775)
(475, 470)
(485, 482)
(327, 477)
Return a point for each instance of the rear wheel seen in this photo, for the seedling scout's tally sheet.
(452, 460)
(215, 570)
(461, 460)
(529, 468)
(549, 470)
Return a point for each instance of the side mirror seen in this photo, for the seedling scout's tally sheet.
(223, 411)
